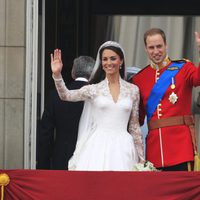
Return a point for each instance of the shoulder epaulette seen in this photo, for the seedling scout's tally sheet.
(187, 60)
(181, 60)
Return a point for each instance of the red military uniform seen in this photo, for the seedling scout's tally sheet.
(170, 145)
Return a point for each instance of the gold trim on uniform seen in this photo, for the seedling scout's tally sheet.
(164, 63)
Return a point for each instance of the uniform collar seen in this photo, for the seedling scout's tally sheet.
(164, 63)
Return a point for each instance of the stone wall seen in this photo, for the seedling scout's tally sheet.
(12, 82)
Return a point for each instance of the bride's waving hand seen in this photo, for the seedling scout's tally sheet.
(56, 62)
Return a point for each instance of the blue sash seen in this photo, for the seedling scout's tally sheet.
(161, 86)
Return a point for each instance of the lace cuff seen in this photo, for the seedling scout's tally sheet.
(59, 78)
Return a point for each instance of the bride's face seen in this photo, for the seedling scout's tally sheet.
(111, 62)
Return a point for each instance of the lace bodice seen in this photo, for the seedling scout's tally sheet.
(117, 117)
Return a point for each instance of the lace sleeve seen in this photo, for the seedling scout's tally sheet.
(84, 93)
(134, 127)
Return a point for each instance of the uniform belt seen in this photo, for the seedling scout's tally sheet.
(187, 120)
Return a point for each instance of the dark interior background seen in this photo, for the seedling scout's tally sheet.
(78, 27)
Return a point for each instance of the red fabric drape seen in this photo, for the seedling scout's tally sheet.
(69, 185)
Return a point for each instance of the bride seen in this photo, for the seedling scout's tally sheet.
(109, 135)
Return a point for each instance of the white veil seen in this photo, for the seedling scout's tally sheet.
(87, 124)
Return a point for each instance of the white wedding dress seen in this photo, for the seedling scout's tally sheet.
(113, 140)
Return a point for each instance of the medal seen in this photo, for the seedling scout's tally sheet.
(173, 84)
(173, 98)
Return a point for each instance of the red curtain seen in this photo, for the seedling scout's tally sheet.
(69, 185)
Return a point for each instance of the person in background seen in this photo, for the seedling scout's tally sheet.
(110, 109)
(58, 127)
(165, 98)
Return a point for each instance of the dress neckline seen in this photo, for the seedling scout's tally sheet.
(108, 88)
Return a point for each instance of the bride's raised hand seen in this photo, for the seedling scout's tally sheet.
(56, 62)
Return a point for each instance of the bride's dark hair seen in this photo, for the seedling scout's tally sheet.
(100, 73)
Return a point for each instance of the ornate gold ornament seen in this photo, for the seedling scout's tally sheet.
(173, 98)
